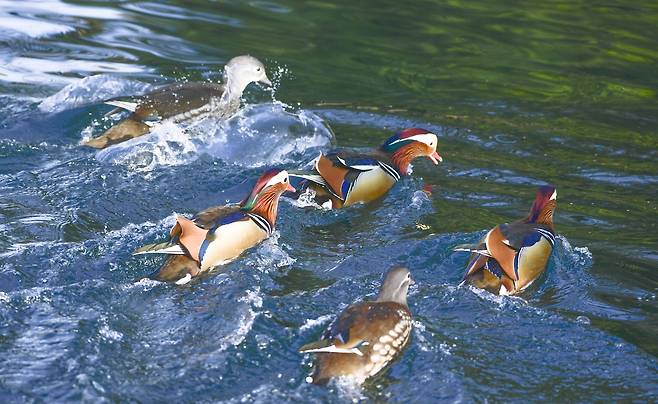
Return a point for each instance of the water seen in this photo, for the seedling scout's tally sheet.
(520, 95)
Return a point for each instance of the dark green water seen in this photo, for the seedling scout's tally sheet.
(519, 94)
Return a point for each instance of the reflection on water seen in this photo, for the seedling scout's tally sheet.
(520, 95)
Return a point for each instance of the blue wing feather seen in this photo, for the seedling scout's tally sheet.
(361, 162)
(230, 218)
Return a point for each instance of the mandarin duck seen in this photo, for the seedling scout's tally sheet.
(183, 102)
(512, 255)
(218, 235)
(342, 178)
(366, 336)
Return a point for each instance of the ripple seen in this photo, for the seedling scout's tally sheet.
(126, 35)
(172, 12)
(500, 176)
(32, 28)
(49, 72)
(36, 19)
(618, 179)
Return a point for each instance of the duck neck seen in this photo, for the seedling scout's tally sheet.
(542, 216)
(401, 160)
(266, 206)
(234, 89)
(390, 297)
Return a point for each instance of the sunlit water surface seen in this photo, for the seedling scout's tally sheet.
(519, 95)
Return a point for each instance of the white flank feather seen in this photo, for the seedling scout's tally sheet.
(171, 250)
(334, 349)
(481, 252)
(127, 105)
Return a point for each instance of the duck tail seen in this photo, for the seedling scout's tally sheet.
(314, 346)
(160, 248)
(473, 248)
(122, 104)
(309, 176)
(125, 130)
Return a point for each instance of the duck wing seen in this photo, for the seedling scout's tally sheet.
(341, 169)
(168, 101)
(508, 242)
(204, 220)
(358, 326)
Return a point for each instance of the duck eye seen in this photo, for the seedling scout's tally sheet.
(258, 69)
(285, 180)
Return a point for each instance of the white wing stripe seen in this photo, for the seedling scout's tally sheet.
(130, 106)
(261, 222)
(548, 235)
(334, 349)
(390, 171)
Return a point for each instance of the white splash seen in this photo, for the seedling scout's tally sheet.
(503, 302)
(306, 199)
(253, 301)
(419, 331)
(270, 255)
(145, 284)
(91, 90)
(258, 135)
(349, 389)
(581, 255)
(106, 332)
(314, 322)
(166, 145)
(419, 199)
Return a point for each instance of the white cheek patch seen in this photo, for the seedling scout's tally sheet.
(554, 196)
(281, 177)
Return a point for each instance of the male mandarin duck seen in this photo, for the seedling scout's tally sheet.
(218, 235)
(342, 178)
(512, 255)
(183, 102)
(366, 336)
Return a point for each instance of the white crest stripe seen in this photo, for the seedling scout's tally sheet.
(426, 138)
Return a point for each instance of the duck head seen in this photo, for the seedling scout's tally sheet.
(395, 286)
(240, 71)
(545, 203)
(405, 146)
(264, 197)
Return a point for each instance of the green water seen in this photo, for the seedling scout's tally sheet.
(573, 85)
